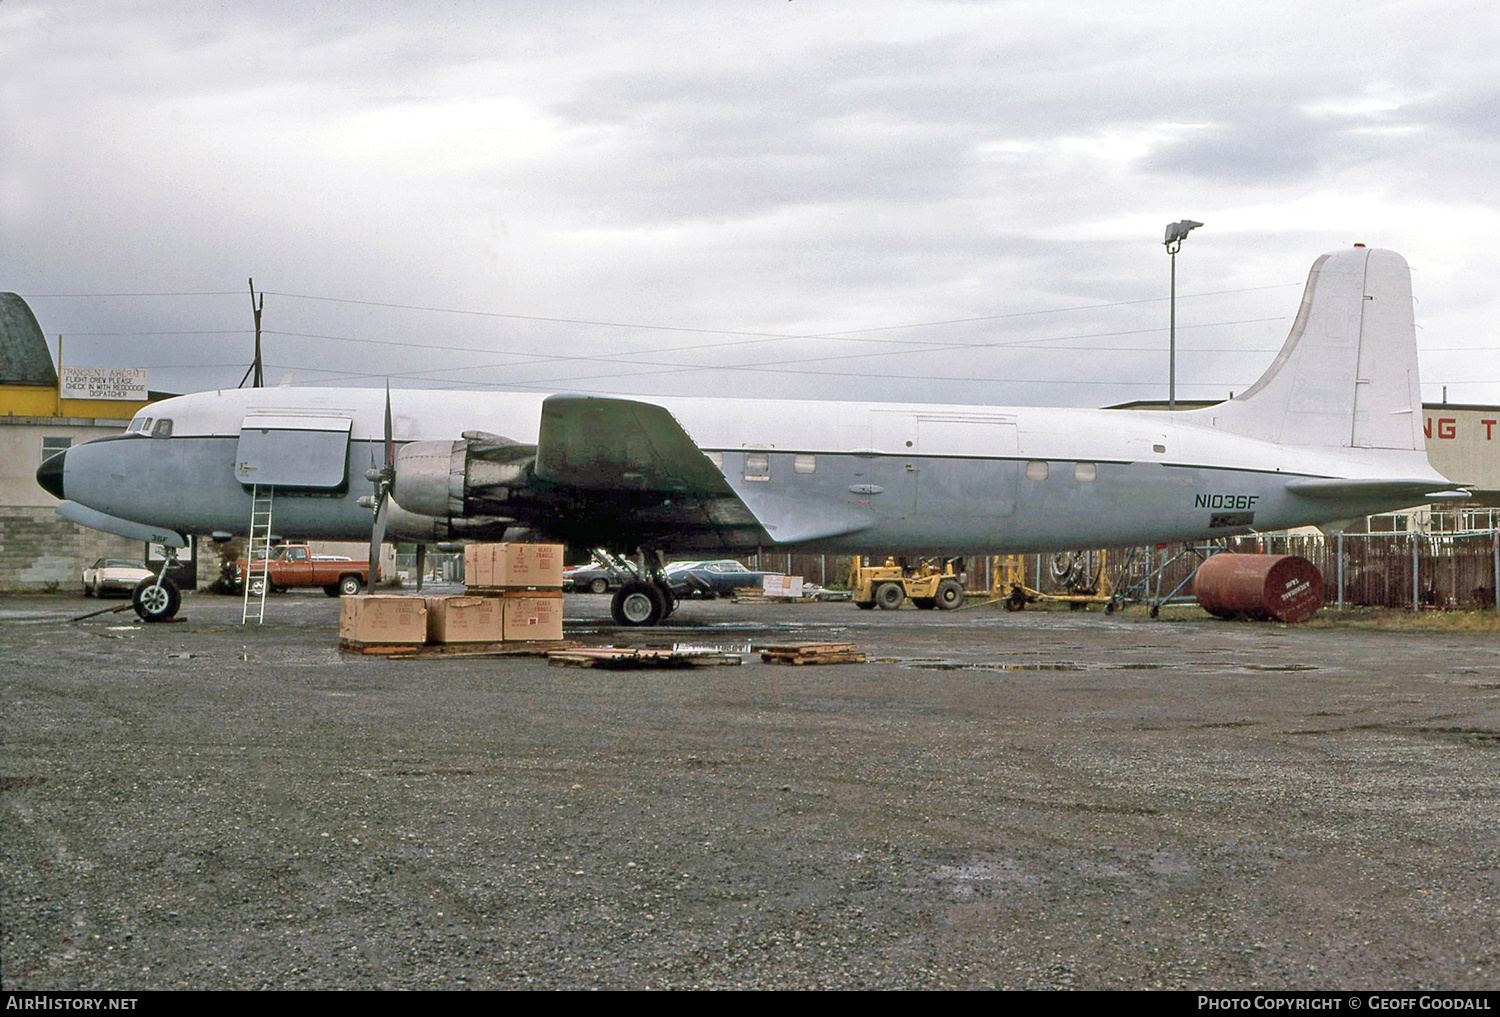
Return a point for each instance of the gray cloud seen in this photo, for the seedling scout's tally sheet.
(766, 168)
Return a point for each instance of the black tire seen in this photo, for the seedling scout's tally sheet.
(950, 595)
(889, 596)
(599, 586)
(156, 602)
(349, 586)
(638, 603)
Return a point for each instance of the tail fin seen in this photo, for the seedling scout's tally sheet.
(1347, 374)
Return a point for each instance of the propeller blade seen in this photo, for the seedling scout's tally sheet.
(390, 437)
(377, 537)
(383, 479)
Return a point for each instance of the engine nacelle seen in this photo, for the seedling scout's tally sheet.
(480, 475)
(403, 525)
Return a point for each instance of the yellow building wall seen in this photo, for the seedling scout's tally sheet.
(42, 401)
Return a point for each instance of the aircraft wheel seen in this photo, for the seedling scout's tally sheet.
(599, 586)
(349, 586)
(156, 602)
(924, 603)
(889, 596)
(638, 603)
(1016, 601)
(865, 605)
(950, 595)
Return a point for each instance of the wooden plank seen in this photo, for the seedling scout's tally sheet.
(805, 649)
(819, 658)
(510, 648)
(614, 658)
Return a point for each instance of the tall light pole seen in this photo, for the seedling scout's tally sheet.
(1176, 233)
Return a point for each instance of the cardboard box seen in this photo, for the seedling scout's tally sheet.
(464, 620)
(533, 616)
(782, 586)
(383, 619)
(511, 565)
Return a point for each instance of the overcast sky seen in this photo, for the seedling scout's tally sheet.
(934, 201)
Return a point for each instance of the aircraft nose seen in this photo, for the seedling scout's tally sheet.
(50, 474)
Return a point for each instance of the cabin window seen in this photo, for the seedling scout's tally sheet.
(757, 466)
(163, 428)
(1158, 448)
(1036, 470)
(52, 446)
(1085, 472)
(802, 463)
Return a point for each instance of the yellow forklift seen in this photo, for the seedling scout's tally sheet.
(929, 585)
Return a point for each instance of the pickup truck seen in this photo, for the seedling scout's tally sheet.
(296, 565)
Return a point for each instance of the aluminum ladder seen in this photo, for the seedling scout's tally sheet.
(257, 578)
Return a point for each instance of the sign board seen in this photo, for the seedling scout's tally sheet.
(123, 383)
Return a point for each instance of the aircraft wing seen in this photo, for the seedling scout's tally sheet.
(1381, 489)
(602, 444)
(608, 445)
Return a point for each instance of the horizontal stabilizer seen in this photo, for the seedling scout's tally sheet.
(96, 520)
(1379, 488)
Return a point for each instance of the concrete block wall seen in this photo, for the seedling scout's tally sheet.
(43, 553)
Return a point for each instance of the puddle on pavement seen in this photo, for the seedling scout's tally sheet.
(1057, 665)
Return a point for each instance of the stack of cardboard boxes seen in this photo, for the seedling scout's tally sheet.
(514, 594)
(525, 581)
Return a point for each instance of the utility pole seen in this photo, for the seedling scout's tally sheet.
(255, 365)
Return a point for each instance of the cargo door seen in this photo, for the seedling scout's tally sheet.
(969, 466)
(294, 451)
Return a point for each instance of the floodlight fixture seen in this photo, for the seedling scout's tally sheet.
(1177, 232)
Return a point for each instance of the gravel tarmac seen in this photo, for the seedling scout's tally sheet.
(1042, 800)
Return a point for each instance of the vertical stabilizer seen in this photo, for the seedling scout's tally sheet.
(1347, 375)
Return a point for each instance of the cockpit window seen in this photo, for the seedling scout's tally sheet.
(163, 428)
(138, 424)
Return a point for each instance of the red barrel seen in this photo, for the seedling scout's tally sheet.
(1262, 587)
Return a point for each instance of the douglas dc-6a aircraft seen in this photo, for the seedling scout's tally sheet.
(1330, 432)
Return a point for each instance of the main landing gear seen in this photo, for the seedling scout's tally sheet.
(644, 601)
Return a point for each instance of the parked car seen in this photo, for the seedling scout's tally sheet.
(712, 578)
(114, 575)
(595, 578)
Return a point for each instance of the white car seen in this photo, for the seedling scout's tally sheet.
(114, 575)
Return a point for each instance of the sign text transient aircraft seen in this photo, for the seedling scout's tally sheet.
(1331, 431)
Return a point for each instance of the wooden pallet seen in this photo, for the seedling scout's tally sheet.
(810, 653)
(615, 659)
(509, 648)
